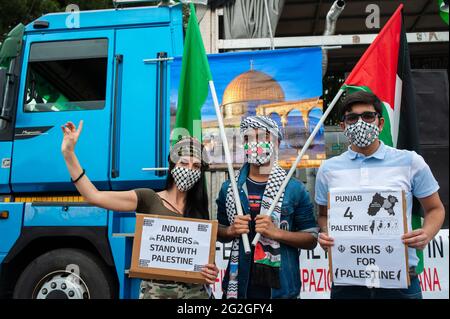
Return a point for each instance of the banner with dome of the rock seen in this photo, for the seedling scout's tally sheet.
(283, 84)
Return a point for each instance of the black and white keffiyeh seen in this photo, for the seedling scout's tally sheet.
(257, 122)
(267, 253)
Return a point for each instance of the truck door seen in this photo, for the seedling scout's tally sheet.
(10, 66)
(141, 114)
(66, 77)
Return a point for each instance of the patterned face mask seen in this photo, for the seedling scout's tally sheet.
(362, 134)
(185, 178)
(258, 153)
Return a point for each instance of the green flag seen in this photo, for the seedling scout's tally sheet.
(443, 10)
(194, 80)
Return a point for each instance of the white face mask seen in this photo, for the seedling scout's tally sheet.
(258, 153)
(362, 134)
(185, 178)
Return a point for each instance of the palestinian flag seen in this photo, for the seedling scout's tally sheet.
(385, 70)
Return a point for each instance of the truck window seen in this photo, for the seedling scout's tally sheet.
(66, 76)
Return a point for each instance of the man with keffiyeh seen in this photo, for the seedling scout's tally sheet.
(272, 269)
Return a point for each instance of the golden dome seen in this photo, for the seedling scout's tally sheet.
(253, 86)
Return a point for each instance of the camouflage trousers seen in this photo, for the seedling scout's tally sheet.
(156, 289)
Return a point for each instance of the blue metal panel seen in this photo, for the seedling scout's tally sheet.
(64, 216)
(123, 223)
(138, 145)
(5, 169)
(118, 248)
(10, 228)
(135, 284)
(177, 33)
(128, 17)
(121, 248)
(37, 163)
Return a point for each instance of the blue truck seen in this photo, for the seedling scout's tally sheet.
(110, 68)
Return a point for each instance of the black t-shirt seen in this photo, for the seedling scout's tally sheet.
(255, 195)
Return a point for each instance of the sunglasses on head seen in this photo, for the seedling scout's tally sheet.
(352, 118)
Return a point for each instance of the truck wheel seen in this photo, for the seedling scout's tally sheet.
(64, 274)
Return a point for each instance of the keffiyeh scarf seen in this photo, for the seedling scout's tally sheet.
(267, 256)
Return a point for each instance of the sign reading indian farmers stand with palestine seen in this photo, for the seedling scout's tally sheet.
(367, 226)
(172, 248)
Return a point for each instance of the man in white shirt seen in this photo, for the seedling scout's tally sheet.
(369, 162)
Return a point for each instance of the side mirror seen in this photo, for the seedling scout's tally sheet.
(3, 84)
(3, 72)
(12, 45)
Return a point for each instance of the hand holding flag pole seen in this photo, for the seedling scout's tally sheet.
(299, 158)
(383, 40)
(195, 77)
(226, 148)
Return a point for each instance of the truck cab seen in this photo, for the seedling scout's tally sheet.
(111, 69)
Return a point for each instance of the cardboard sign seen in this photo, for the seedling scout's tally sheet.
(367, 226)
(316, 277)
(172, 248)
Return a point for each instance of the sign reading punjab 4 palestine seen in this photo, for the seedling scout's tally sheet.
(174, 244)
(367, 226)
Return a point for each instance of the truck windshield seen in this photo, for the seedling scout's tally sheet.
(66, 76)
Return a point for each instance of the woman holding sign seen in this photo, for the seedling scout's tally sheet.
(185, 195)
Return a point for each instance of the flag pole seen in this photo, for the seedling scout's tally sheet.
(299, 158)
(226, 148)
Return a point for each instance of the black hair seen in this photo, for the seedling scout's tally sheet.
(197, 197)
(360, 97)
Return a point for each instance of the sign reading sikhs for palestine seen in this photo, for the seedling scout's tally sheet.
(172, 248)
(316, 277)
(367, 226)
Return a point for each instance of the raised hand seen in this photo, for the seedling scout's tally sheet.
(71, 135)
